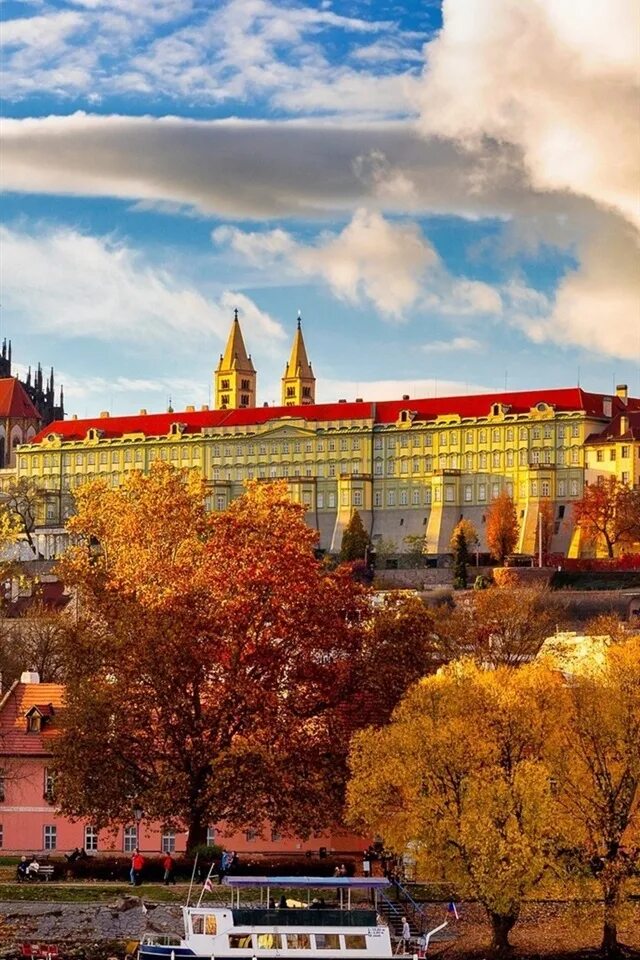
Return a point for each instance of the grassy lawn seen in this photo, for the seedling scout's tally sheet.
(91, 892)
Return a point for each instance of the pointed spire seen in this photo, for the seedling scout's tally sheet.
(298, 365)
(235, 352)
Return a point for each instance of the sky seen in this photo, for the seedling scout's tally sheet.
(448, 192)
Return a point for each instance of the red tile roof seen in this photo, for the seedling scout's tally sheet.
(14, 706)
(14, 400)
(384, 412)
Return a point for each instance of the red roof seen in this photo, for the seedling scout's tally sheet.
(614, 432)
(384, 412)
(14, 706)
(14, 400)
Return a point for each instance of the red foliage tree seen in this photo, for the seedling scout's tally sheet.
(502, 527)
(609, 512)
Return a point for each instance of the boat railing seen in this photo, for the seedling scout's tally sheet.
(161, 940)
(297, 916)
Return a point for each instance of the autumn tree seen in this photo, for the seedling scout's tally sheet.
(20, 504)
(355, 540)
(460, 560)
(459, 776)
(502, 527)
(499, 626)
(596, 763)
(609, 513)
(470, 533)
(216, 664)
(545, 527)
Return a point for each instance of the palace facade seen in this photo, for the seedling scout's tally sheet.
(411, 467)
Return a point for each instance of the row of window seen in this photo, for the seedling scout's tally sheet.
(130, 839)
(207, 924)
(625, 453)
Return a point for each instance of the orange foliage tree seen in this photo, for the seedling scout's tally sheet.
(609, 512)
(502, 527)
(220, 672)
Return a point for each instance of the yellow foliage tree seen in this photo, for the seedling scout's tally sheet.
(469, 531)
(597, 768)
(459, 775)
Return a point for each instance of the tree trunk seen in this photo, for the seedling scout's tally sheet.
(610, 947)
(197, 835)
(501, 925)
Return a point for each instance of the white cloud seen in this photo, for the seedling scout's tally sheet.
(391, 265)
(452, 346)
(559, 86)
(67, 284)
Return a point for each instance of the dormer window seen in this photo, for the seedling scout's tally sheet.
(38, 716)
(94, 434)
(176, 429)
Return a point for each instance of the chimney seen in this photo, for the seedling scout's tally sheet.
(624, 424)
(143, 412)
(342, 401)
(205, 406)
(30, 676)
(607, 407)
(405, 396)
(74, 416)
(358, 399)
(104, 414)
(622, 392)
(191, 409)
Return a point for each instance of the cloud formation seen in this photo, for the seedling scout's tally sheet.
(67, 284)
(391, 265)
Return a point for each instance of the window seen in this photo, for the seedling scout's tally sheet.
(332, 445)
(495, 491)
(575, 455)
(562, 488)
(483, 436)
(211, 836)
(404, 440)
(225, 384)
(251, 835)
(320, 501)
(357, 498)
(299, 941)
(546, 456)
(560, 433)
(574, 488)
(319, 446)
(449, 493)
(482, 491)
(377, 468)
(468, 493)
(244, 385)
(510, 435)
(624, 476)
(2, 786)
(332, 501)
(496, 435)
(130, 839)
(377, 498)
(561, 458)
(404, 466)
(221, 501)
(404, 497)
(327, 941)
(240, 941)
(575, 430)
(49, 785)
(331, 472)
(534, 488)
(391, 498)
(483, 461)
(308, 446)
(547, 431)
(391, 465)
(535, 433)
(444, 439)
(344, 498)
(428, 464)
(428, 440)
(344, 443)
(168, 841)
(509, 458)
(90, 839)
(495, 459)
(49, 837)
(535, 456)
(523, 433)
(510, 490)
(468, 437)
(297, 447)
(427, 495)
(468, 461)
(355, 941)
(377, 443)
(624, 453)
(612, 453)
(545, 488)
(415, 497)
(415, 465)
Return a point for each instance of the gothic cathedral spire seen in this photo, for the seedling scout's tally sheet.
(298, 382)
(235, 376)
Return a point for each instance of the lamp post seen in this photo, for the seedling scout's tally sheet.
(138, 814)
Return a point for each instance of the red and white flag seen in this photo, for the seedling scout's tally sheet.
(208, 886)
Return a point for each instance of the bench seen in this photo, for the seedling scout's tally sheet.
(46, 871)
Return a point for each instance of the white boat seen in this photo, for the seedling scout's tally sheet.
(262, 930)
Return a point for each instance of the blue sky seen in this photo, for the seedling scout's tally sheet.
(448, 193)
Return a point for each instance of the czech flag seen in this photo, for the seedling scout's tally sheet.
(208, 886)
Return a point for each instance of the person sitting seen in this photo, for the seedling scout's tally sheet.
(72, 857)
(22, 868)
(33, 869)
(282, 903)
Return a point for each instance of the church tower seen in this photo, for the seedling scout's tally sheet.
(298, 383)
(235, 376)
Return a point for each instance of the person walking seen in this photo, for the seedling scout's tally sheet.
(169, 870)
(404, 943)
(137, 863)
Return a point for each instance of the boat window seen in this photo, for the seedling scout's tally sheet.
(327, 941)
(355, 941)
(298, 941)
(210, 924)
(268, 941)
(197, 923)
(240, 941)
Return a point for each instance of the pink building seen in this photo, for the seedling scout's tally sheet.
(29, 821)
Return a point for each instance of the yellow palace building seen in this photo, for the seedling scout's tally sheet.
(411, 467)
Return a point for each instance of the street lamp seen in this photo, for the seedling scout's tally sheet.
(138, 814)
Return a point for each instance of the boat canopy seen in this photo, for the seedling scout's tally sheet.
(304, 883)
